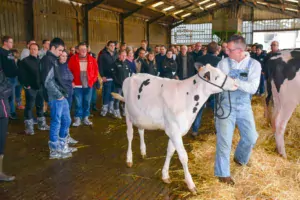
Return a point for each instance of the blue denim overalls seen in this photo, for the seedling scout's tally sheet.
(242, 116)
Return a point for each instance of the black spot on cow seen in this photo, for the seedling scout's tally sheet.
(278, 70)
(197, 104)
(196, 97)
(187, 93)
(144, 83)
(162, 85)
(194, 109)
(139, 96)
(194, 82)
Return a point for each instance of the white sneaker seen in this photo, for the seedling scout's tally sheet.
(77, 122)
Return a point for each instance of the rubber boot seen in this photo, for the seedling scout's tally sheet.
(29, 130)
(117, 114)
(104, 110)
(42, 124)
(64, 147)
(70, 140)
(54, 150)
(4, 177)
(111, 107)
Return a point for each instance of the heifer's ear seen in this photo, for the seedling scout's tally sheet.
(198, 66)
(207, 76)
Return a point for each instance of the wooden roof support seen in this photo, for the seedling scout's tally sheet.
(92, 5)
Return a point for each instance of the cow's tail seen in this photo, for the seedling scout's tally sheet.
(117, 96)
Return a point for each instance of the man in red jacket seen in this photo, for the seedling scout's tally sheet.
(85, 71)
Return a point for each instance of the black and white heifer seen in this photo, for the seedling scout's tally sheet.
(284, 78)
(171, 105)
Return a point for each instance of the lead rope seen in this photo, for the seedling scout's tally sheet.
(218, 107)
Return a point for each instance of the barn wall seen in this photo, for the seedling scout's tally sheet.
(103, 26)
(14, 21)
(134, 30)
(54, 18)
(158, 34)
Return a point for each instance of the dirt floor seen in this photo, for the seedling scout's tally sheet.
(98, 170)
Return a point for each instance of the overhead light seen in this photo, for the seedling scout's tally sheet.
(157, 4)
(262, 3)
(292, 9)
(294, 1)
(187, 14)
(201, 8)
(140, 1)
(210, 5)
(177, 12)
(203, 2)
(168, 8)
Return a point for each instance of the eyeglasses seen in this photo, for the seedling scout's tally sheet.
(231, 50)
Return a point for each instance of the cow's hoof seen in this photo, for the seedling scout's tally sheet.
(167, 180)
(144, 156)
(193, 191)
(129, 164)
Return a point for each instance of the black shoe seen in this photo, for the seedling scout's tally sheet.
(46, 114)
(228, 180)
(94, 108)
(13, 116)
(240, 164)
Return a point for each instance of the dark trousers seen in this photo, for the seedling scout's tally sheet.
(33, 97)
(108, 88)
(3, 133)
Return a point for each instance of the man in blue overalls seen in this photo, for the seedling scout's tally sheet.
(237, 108)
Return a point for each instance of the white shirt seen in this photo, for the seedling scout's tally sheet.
(25, 53)
(252, 84)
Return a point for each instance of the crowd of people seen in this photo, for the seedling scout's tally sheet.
(57, 80)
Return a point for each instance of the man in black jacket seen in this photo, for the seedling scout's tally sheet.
(8, 68)
(120, 71)
(144, 45)
(56, 93)
(213, 60)
(105, 63)
(185, 64)
(30, 78)
(223, 53)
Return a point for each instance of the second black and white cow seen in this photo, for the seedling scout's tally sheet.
(284, 79)
(171, 105)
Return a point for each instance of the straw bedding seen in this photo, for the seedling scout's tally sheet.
(269, 177)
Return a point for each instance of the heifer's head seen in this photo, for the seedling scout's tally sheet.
(216, 79)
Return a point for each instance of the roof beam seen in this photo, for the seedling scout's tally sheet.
(92, 5)
(270, 8)
(202, 14)
(141, 6)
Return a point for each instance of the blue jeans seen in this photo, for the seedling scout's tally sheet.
(82, 102)
(94, 96)
(12, 98)
(242, 116)
(60, 119)
(197, 121)
(108, 88)
(70, 98)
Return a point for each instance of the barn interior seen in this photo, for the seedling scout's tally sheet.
(98, 171)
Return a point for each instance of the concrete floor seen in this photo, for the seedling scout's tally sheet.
(97, 171)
